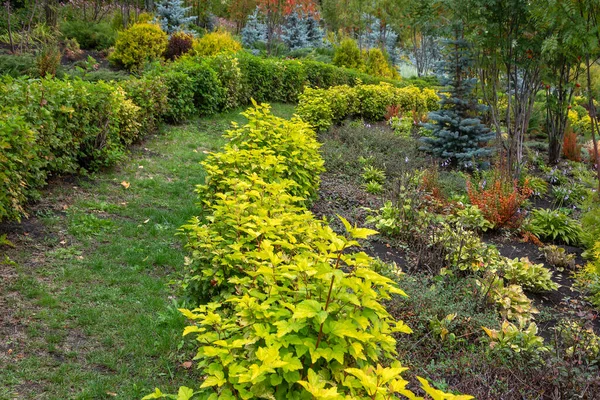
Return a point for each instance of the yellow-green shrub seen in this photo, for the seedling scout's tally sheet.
(324, 107)
(347, 54)
(139, 44)
(296, 315)
(215, 43)
(377, 65)
(270, 148)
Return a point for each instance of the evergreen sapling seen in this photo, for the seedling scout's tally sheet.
(457, 132)
(254, 32)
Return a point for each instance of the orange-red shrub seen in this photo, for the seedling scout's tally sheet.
(392, 111)
(571, 150)
(500, 200)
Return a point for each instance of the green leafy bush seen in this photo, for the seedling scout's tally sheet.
(180, 97)
(471, 217)
(76, 125)
(139, 44)
(230, 75)
(208, 90)
(590, 223)
(18, 162)
(534, 277)
(377, 65)
(89, 35)
(554, 225)
(588, 278)
(152, 94)
(18, 65)
(295, 314)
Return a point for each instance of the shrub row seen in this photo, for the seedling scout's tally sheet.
(324, 107)
(63, 126)
(292, 312)
(52, 126)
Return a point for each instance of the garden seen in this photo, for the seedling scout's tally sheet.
(300, 200)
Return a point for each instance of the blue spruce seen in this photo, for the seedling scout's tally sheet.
(457, 132)
(294, 32)
(171, 15)
(254, 31)
(314, 32)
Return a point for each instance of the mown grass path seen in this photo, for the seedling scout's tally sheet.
(86, 308)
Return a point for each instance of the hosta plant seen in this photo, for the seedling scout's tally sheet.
(558, 257)
(510, 300)
(554, 225)
(538, 186)
(521, 338)
(534, 277)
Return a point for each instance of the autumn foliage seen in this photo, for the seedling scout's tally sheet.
(571, 150)
(500, 200)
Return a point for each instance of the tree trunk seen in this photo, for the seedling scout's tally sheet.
(50, 12)
(554, 150)
(594, 119)
(10, 38)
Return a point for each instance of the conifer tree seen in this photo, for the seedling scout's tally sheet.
(457, 132)
(171, 15)
(314, 32)
(254, 31)
(295, 32)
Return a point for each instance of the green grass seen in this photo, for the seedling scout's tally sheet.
(91, 312)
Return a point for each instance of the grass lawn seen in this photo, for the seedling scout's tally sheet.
(86, 306)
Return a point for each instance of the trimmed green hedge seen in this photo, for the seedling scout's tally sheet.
(56, 126)
(53, 126)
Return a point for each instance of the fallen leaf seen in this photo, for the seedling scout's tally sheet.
(113, 394)
(187, 365)
(140, 166)
(63, 242)
(125, 184)
(146, 221)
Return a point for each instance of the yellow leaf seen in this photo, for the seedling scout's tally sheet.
(125, 184)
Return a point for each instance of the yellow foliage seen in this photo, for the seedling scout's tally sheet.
(139, 44)
(216, 43)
